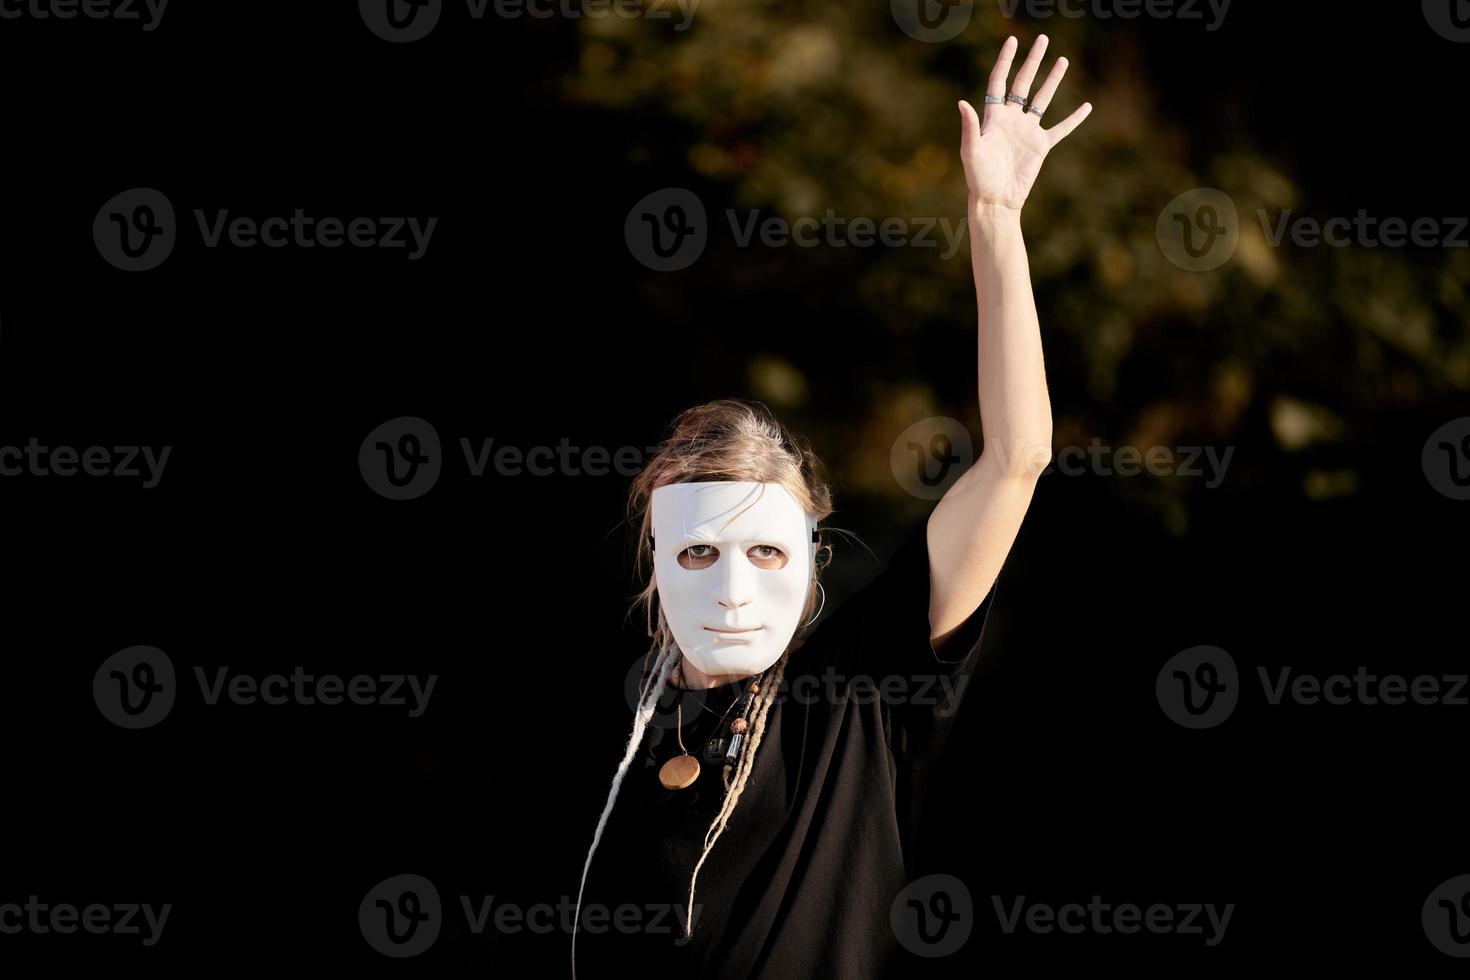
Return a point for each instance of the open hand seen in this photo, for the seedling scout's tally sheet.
(1002, 151)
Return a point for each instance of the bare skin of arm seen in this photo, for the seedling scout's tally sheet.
(972, 529)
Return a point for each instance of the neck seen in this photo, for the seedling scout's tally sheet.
(690, 678)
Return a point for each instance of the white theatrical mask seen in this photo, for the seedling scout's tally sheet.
(731, 609)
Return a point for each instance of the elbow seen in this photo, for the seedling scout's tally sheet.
(1024, 457)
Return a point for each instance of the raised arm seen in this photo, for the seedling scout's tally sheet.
(972, 529)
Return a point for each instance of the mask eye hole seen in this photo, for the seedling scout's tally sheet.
(699, 556)
(767, 556)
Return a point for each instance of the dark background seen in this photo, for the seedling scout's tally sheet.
(530, 321)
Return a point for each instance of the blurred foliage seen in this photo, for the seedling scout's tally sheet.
(1287, 353)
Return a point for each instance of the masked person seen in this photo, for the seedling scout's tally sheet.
(758, 822)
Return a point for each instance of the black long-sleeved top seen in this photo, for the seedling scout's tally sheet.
(803, 880)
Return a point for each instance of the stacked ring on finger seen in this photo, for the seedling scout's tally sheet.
(1016, 99)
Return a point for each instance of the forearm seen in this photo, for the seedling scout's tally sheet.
(1015, 409)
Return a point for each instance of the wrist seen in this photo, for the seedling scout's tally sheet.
(992, 211)
(989, 220)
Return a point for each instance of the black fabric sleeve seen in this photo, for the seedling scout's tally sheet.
(919, 687)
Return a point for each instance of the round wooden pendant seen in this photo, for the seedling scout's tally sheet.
(679, 772)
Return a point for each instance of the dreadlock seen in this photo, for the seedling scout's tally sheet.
(730, 440)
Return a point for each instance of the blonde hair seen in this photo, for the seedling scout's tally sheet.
(724, 440)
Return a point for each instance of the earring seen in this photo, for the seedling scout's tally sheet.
(820, 607)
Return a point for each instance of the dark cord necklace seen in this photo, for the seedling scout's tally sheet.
(682, 770)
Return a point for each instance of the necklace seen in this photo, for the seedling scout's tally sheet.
(682, 770)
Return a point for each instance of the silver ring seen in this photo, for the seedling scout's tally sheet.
(993, 100)
(1032, 108)
(1016, 99)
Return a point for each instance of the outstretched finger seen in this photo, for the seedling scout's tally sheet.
(996, 87)
(1027, 73)
(1060, 130)
(1048, 89)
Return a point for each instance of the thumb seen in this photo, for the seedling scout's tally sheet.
(969, 122)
